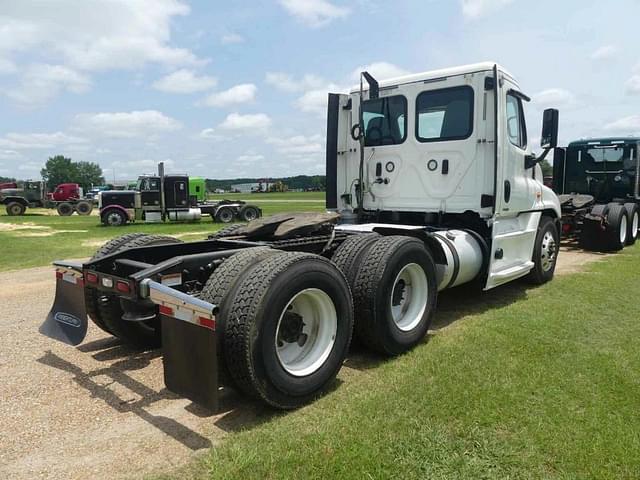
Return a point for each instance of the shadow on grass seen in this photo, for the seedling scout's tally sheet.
(452, 305)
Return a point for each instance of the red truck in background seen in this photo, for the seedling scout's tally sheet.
(66, 192)
(8, 185)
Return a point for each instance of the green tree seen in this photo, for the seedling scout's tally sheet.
(61, 169)
(547, 169)
(89, 174)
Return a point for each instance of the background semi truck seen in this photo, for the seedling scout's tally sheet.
(431, 184)
(174, 197)
(598, 182)
(66, 198)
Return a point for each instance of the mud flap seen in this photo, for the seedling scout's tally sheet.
(67, 320)
(189, 343)
(190, 366)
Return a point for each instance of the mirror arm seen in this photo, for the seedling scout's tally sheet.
(530, 161)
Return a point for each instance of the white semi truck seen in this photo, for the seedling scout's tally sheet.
(431, 183)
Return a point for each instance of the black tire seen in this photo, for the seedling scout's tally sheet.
(84, 208)
(15, 209)
(375, 294)
(633, 223)
(545, 252)
(113, 217)
(225, 215)
(138, 334)
(248, 213)
(615, 235)
(228, 231)
(217, 291)
(91, 297)
(348, 256)
(65, 209)
(260, 303)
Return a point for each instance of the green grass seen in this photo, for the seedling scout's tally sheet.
(44, 237)
(522, 383)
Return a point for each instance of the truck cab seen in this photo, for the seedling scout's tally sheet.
(442, 148)
(67, 191)
(598, 182)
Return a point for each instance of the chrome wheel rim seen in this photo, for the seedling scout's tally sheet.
(114, 219)
(548, 251)
(623, 229)
(306, 332)
(634, 225)
(409, 297)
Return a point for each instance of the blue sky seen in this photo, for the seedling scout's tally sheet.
(228, 89)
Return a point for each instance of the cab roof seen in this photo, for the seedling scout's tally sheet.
(585, 142)
(437, 74)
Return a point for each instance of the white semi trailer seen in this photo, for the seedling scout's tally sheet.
(431, 183)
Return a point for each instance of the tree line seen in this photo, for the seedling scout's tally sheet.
(298, 182)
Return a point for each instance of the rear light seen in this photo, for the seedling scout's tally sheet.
(91, 277)
(123, 286)
(566, 228)
(58, 275)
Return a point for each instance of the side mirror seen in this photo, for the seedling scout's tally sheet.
(549, 137)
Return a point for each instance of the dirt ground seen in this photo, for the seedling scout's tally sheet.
(101, 409)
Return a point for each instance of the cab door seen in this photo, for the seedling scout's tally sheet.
(515, 222)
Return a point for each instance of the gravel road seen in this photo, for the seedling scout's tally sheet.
(101, 409)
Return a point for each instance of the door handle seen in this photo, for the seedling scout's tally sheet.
(507, 191)
(445, 166)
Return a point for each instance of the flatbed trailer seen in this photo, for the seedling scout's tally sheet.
(270, 308)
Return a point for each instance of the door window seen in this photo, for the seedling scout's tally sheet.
(445, 114)
(383, 120)
(516, 129)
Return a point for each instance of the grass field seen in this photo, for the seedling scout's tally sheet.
(42, 236)
(522, 383)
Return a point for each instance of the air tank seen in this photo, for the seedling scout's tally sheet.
(464, 258)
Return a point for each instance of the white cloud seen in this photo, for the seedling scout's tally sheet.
(249, 159)
(625, 126)
(253, 122)
(243, 93)
(96, 35)
(185, 81)
(126, 124)
(606, 52)
(27, 141)
(7, 66)
(287, 83)
(314, 13)
(231, 38)
(473, 9)
(298, 145)
(211, 134)
(380, 71)
(315, 101)
(553, 97)
(41, 82)
(632, 86)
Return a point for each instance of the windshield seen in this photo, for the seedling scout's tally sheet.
(618, 153)
(384, 121)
